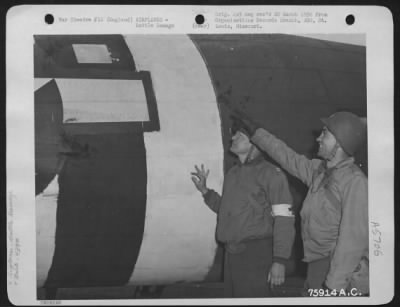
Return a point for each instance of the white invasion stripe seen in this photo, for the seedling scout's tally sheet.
(92, 53)
(179, 236)
(95, 100)
(282, 210)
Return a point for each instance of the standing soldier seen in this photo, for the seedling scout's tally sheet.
(335, 210)
(255, 221)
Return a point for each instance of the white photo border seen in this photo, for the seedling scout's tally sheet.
(27, 20)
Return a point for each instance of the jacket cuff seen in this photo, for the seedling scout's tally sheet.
(260, 134)
(280, 260)
(207, 195)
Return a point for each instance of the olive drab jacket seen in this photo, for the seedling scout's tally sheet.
(252, 192)
(334, 216)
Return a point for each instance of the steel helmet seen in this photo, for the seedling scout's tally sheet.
(349, 130)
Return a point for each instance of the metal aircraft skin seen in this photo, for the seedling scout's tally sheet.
(120, 122)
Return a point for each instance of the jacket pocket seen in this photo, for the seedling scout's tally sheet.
(330, 215)
(322, 229)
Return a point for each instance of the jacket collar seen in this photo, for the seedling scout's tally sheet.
(327, 172)
(344, 163)
(254, 161)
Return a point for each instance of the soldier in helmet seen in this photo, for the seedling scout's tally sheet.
(335, 211)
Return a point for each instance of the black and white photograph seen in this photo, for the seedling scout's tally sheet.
(179, 166)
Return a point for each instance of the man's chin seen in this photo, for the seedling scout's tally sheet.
(320, 154)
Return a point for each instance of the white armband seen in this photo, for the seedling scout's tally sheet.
(282, 210)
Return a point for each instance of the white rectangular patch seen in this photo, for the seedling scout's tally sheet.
(282, 210)
(92, 54)
(102, 101)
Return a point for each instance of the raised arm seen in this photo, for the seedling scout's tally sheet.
(296, 164)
